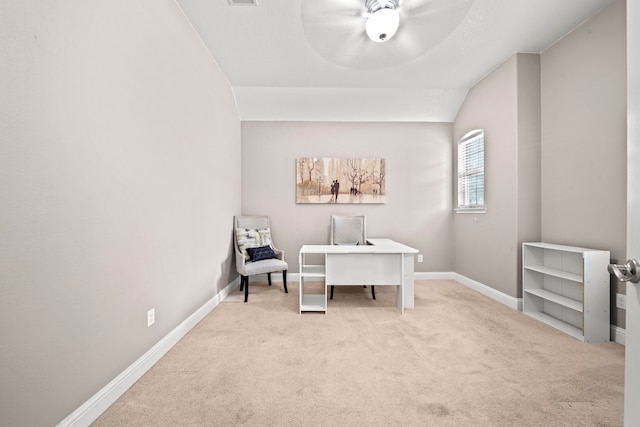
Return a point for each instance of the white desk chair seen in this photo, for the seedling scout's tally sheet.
(349, 230)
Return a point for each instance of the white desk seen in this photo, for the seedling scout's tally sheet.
(382, 262)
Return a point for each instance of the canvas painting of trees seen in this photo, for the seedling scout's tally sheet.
(340, 180)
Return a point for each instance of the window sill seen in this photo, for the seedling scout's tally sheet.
(470, 210)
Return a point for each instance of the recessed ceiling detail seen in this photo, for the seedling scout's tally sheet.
(336, 30)
(311, 60)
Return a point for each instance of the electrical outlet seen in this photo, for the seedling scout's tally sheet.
(420, 258)
(151, 317)
(621, 301)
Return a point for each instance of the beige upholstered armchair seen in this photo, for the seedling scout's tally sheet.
(349, 230)
(255, 252)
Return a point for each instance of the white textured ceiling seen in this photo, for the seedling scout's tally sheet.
(309, 60)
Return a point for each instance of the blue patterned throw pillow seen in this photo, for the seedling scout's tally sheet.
(250, 238)
(262, 252)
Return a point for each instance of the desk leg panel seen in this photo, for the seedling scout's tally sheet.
(409, 300)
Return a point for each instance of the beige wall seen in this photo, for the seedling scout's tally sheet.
(529, 151)
(555, 132)
(584, 138)
(121, 170)
(119, 176)
(419, 167)
(506, 105)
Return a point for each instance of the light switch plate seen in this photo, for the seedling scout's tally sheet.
(151, 317)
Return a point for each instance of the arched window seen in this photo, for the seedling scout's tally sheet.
(471, 171)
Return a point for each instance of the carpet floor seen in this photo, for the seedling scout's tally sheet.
(457, 359)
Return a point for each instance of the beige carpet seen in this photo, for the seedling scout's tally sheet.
(457, 359)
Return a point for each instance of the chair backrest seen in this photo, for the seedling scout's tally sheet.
(251, 232)
(348, 230)
(254, 222)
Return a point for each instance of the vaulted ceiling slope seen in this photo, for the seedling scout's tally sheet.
(310, 60)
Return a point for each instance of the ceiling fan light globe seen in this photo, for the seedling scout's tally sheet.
(382, 24)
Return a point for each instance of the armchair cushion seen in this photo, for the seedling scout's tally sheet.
(260, 253)
(252, 238)
(263, 266)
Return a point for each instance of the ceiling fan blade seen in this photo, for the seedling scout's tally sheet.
(336, 30)
(333, 27)
(428, 22)
(434, 10)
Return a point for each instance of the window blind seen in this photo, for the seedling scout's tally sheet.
(471, 170)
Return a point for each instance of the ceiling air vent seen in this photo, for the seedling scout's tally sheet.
(243, 2)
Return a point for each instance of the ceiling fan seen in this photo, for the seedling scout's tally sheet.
(369, 34)
(382, 19)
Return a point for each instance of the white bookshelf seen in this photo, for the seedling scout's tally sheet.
(567, 287)
(311, 302)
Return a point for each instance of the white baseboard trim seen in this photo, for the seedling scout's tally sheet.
(445, 275)
(98, 403)
(275, 277)
(501, 297)
(509, 301)
(618, 335)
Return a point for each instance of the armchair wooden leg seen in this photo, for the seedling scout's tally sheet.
(269, 278)
(331, 297)
(284, 281)
(373, 291)
(246, 289)
(241, 282)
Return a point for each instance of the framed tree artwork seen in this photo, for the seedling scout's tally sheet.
(340, 180)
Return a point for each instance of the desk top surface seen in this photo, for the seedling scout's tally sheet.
(375, 246)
